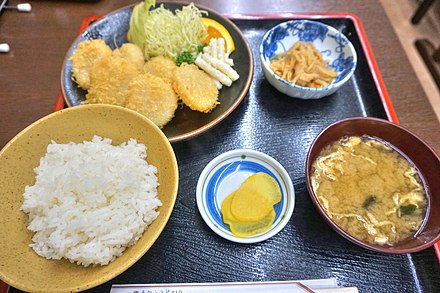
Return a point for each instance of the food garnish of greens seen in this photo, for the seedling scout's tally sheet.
(187, 57)
(408, 209)
(369, 201)
(159, 31)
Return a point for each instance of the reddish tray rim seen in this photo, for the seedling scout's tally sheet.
(374, 68)
(383, 93)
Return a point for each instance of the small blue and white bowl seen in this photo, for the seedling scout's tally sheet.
(225, 173)
(333, 45)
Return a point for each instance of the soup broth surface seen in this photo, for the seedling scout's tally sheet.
(369, 190)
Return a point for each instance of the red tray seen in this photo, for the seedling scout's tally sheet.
(378, 81)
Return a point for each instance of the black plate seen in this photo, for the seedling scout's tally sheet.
(113, 29)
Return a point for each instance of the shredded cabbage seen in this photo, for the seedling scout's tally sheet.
(161, 32)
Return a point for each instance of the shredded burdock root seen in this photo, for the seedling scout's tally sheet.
(303, 65)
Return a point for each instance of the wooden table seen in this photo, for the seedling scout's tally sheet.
(30, 72)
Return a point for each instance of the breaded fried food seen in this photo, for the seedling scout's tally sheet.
(153, 97)
(85, 56)
(195, 88)
(109, 80)
(161, 66)
(131, 52)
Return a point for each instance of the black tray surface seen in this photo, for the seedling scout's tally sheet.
(189, 251)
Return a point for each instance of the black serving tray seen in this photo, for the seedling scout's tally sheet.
(188, 251)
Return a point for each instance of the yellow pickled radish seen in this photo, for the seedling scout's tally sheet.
(248, 205)
(265, 185)
(255, 197)
(241, 228)
(246, 229)
(249, 210)
(226, 209)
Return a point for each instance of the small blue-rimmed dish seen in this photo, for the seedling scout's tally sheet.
(334, 47)
(225, 173)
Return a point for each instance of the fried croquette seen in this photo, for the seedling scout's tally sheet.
(109, 80)
(161, 66)
(85, 56)
(131, 52)
(153, 97)
(195, 88)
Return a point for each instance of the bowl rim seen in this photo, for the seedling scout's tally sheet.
(309, 89)
(223, 160)
(125, 266)
(332, 224)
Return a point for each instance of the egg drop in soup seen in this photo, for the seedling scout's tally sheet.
(370, 190)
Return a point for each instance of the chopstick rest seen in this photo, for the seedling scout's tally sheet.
(4, 48)
(23, 7)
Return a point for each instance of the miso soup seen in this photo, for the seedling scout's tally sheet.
(370, 190)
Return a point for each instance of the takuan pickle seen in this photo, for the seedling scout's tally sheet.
(249, 210)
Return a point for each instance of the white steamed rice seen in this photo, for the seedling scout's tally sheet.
(91, 200)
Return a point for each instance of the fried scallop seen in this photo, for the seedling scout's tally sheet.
(131, 52)
(195, 88)
(161, 66)
(109, 80)
(153, 97)
(85, 56)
